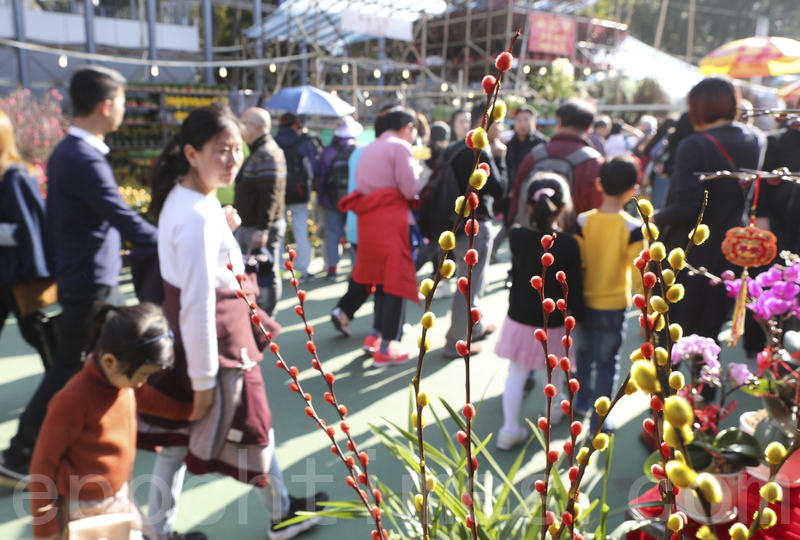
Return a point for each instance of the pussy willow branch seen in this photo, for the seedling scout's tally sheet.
(416, 381)
(349, 461)
(549, 464)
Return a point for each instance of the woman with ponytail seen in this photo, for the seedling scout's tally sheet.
(217, 349)
(87, 444)
(548, 199)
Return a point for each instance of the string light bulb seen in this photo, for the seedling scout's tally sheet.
(406, 74)
(471, 95)
(376, 74)
(368, 103)
(444, 87)
(612, 73)
(273, 68)
(366, 94)
(587, 71)
(62, 60)
(345, 68)
(334, 93)
(526, 69)
(223, 72)
(456, 102)
(542, 70)
(154, 70)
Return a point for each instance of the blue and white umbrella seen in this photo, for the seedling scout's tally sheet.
(308, 100)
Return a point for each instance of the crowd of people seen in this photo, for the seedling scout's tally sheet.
(183, 377)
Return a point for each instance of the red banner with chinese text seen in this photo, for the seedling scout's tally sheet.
(551, 35)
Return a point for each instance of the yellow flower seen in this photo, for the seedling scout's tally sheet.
(775, 453)
(644, 373)
(602, 405)
(662, 356)
(423, 400)
(418, 502)
(447, 241)
(427, 343)
(701, 236)
(428, 320)
(704, 533)
(600, 442)
(677, 410)
(675, 523)
(652, 234)
(480, 139)
(677, 380)
(430, 482)
(658, 304)
(675, 332)
(709, 487)
(680, 474)
(739, 532)
(425, 287)
(675, 293)
(448, 269)
(771, 492)
(478, 179)
(677, 259)
(646, 208)
(631, 388)
(658, 252)
(499, 110)
(768, 518)
(668, 277)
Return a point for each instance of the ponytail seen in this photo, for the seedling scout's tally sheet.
(548, 195)
(201, 126)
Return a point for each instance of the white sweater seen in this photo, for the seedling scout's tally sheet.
(194, 242)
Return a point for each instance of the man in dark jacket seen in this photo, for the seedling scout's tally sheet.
(495, 189)
(302, 151)
(525, 138)
(259, 200)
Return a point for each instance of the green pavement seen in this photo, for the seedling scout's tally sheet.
(226, 510)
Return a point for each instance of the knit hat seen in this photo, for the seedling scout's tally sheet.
(348, 128)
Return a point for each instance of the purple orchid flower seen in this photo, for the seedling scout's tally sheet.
(770, 277)
(695, 345)
(739, 374)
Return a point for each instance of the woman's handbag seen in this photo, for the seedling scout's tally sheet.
(33, 294)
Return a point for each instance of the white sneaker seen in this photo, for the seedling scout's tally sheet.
(443, 290)
(557, 413)
(508, 441)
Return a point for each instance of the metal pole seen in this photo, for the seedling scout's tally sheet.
(89, 18)
(662, 17)
(208, 39)
(259, 47)
(304, 64)
(381, 56)
(151, 31)
(22, 58)
(690, 36)
(346, 54)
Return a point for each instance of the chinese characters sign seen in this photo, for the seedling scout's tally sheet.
(375, 25)
(552, 35)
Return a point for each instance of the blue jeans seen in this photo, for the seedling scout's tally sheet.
(299, 219)
(334, 231)
(599, 338)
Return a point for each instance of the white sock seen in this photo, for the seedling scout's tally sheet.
(512, 396)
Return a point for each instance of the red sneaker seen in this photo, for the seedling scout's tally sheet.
(394, 357)
(371, 344)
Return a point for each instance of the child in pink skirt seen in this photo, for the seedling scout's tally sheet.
(548, 198)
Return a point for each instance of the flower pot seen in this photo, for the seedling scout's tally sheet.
(790, 472)
(721, 512)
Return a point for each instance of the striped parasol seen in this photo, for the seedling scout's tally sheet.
(753, 57)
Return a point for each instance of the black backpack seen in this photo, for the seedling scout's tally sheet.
(298, 181)
(437, 199)
(338, 177)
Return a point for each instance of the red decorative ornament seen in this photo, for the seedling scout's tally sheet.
(749, 246)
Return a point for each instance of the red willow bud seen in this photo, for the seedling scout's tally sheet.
(362, 478)
(548, 259)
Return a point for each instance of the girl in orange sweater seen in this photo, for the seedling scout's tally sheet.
(87, 445)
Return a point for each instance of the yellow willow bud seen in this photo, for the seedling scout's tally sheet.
(428, 320)
(600, 442)
(631, 388)
(704, 533)
(672, 438)
(652, 235)
(680, 474)
(576, 512)
(660, 322)
(478, 179)
(662, 356)
(448, 269)
(418, 502)
(668, 277)
(602, 405)
(775, 453)
(679, 457)
(675, 332)
(677, 380)
(423, 400)
(553, 529)
(709, 487)
(677, 410)
(582, 455)
(658, 252)
(675, 523)
(771, 492)
(646, 208)
(426, 287)
(637, 355)
(447, 241)
(644, 373)
(480, 139)
(427, 343)
(739, 531)
(675, 293)
(414, 419)
(430, 482)
(658, 304)
(677, 259)
(461, 207)
(499, 110)
(702, 234)
(768, 518)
